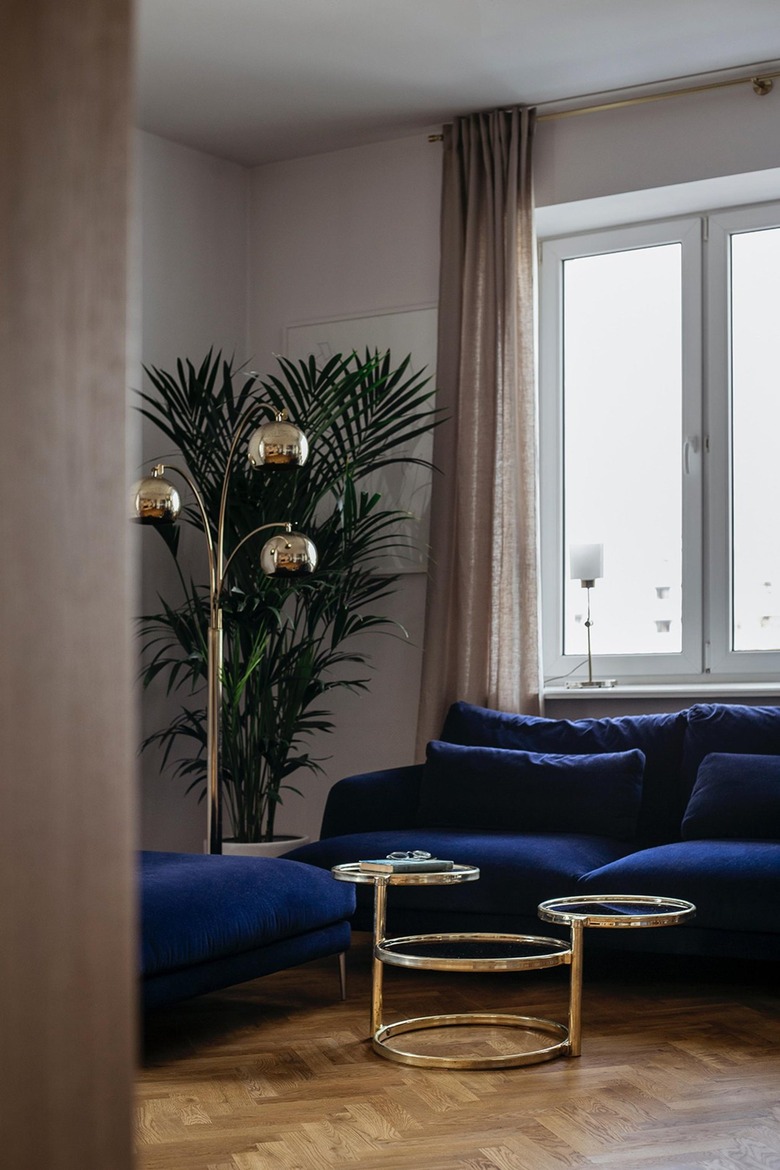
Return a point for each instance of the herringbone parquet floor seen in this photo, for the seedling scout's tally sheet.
(680, 1070)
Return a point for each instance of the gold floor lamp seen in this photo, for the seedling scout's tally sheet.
(279, 443)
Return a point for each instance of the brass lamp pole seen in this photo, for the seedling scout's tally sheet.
(277, 444)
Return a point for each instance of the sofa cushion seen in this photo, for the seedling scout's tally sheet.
(660, 737)
(733, 884)
(517, 870)
(198, 907)
(736, 796)
(515, 791)
(727, 727)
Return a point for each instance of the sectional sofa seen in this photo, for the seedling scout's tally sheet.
(685, 805)
(208, 922)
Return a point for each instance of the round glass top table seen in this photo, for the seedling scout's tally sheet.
(483, 1039)
(608, 912)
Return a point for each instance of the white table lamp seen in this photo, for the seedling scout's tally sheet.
(586, 563)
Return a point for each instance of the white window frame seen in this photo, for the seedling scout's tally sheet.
(723, 661)
(704, 452)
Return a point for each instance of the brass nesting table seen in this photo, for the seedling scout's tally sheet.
(612, 912)
(542, 1039)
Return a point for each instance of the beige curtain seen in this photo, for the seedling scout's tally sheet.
(482, 625)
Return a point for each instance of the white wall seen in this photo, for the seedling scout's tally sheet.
(356, 231)
(678, 140)
(335, 235)
(193, 237)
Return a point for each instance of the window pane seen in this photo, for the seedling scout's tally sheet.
(622, 429)
(755, 405)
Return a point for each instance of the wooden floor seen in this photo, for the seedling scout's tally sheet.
(680, 1069)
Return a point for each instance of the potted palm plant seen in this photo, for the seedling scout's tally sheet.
(287, 641)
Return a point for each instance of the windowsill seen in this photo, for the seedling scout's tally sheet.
(693, 690)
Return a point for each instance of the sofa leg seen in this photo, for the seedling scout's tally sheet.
(342, 958)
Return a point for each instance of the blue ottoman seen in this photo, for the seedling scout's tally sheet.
(210, 921)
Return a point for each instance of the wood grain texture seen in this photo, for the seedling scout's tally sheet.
(680, 1070)
(66, 710)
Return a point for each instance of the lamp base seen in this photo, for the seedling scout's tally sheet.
(597, 684)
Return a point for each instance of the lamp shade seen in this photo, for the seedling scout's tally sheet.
(586, 561)
(279, 443)
(288, 555)
(156, 500)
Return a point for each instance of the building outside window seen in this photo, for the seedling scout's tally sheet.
(660, 433)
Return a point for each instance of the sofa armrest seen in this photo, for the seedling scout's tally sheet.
(374, 800)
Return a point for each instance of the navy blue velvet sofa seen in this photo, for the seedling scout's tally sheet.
(685, 805)
(208, 922)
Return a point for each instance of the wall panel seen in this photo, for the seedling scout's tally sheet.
(67, 959)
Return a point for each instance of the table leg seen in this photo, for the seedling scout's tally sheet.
(380, 915)
(575, 989)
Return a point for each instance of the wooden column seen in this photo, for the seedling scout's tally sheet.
(67, 723)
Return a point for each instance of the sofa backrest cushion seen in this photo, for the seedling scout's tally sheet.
(727, 727)
(514, 791)
(735, 796)
(659, 737)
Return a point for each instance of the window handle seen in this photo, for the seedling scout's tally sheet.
(690, 447)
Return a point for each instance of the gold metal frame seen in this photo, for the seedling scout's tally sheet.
(550, 1038)
(556, 1034)
(656, 911)
(553, 953)
(593, 910)
(554, 1039)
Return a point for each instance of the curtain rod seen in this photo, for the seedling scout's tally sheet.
(762, 83)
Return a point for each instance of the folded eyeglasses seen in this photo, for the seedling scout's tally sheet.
(410, 855)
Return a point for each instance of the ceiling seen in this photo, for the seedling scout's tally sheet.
(258, 81)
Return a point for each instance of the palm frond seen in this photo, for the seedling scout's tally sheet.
(287, 643)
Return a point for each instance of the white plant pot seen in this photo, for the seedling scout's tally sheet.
(275, 848)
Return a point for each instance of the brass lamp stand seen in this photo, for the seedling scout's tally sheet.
(277, 444)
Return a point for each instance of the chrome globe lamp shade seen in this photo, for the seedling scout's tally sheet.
(288, 555)
(279, 443)
(156, 499)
